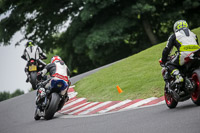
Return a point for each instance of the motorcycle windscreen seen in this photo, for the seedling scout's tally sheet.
(59, 84)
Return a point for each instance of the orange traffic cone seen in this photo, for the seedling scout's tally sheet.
(119, 89)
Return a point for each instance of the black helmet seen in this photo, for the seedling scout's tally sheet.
(29, 43)
(180, 24)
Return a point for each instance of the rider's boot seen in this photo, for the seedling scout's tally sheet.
(64, 93)
(64, 99)
(178, 79)
(177, 75)
(27, 74)
(28, 78)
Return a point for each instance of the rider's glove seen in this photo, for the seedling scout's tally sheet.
(39, 74)
(161, 62)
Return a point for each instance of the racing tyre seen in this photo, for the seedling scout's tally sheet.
(169, 100)
(33, 77)
(52, 106)
(195, 96)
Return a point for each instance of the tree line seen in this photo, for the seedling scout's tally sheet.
(92, 33)
(7, 95)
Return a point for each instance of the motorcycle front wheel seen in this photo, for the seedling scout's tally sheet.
(169, 100)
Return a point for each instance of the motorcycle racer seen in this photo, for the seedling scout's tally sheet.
(33, 51)
(57, 70)
(186, 42)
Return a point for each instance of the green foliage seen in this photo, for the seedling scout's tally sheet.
(143, 7)
(6, 95)
(17, 93)
(51, 54)
(100, 31)
(139, 76)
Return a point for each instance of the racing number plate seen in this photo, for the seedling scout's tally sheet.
(32, 68)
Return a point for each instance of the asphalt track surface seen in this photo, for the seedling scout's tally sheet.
(16, 116)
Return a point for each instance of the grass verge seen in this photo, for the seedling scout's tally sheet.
(139, 76)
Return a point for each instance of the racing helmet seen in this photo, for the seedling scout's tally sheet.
(54, 58)
(29, 43)
(180, 24)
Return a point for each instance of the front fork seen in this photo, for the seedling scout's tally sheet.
(172, 89)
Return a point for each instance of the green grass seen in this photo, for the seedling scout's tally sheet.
(139, 76)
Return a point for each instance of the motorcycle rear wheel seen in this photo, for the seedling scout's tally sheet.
(33, 77)
(169, 100)
(195, 96)
(52, 107)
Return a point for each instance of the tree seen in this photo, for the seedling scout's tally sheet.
(17, 93)
(6, 95)
(100, 31)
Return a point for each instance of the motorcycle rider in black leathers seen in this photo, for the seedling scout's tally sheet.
(186, 42)
(57, 70)
(35, 52)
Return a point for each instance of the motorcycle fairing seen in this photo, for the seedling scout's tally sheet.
(59, 84)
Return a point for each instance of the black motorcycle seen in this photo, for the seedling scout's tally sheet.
(51, 100)
(35, 66)
(190, 88)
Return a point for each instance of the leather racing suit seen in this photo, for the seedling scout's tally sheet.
(186, 42)
(33, 52)
(57, 70)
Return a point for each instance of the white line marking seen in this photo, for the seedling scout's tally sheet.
(114, 106)
(72, 94)
(74, 102)
(95, 107)
(72, 86)
(75, 107)
(59, 115)
(140, 103)
(83, 108)
(161, 102)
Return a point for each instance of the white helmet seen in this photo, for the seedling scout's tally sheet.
(179, 25)
(54, 58)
